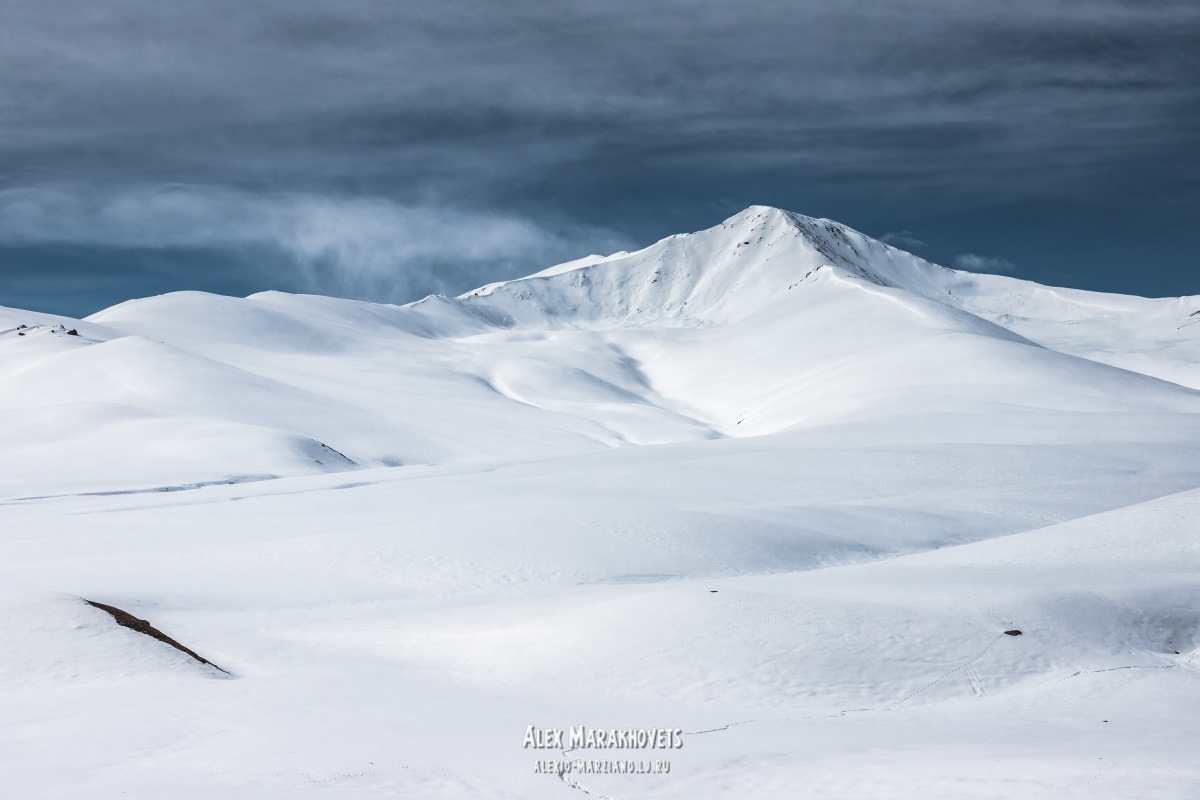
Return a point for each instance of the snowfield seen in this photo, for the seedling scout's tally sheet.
(774, 484)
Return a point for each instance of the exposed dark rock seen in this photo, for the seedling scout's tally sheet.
(127, 620)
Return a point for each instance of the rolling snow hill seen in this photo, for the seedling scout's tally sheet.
(768, 322)
(775, 483)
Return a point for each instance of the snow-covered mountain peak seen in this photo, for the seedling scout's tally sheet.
(768, 321)
(844, 248)
(720, 274)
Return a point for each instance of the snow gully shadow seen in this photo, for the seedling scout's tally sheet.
(127, 620)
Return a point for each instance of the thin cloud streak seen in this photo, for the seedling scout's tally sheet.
(972, 123)
(905, 240)
(355, 246)
(976, 263)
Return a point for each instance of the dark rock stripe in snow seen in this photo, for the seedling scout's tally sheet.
(127, 620)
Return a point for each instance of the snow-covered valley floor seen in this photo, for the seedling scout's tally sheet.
(775, 485)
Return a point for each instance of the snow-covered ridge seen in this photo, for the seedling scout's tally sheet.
(717, 275)
(752, 259)
(767, 322)
(853, 522)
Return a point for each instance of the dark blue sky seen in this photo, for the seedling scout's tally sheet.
(387, 150)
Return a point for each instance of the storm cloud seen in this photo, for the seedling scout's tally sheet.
(382, 150)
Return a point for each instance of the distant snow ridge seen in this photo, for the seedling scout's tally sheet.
(861, 471)
(717, 275)
(768, 322)
(734, 269)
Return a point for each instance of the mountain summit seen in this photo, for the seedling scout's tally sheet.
(774, 485)
(757, 259)
(716, 275)
(770, 321)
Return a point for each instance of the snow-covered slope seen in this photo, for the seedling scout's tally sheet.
(751, 260)
(774, 483)
(766, 322)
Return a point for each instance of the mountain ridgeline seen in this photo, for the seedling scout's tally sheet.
(770, 321)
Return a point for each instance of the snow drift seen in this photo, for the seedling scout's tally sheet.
(768, 322)
(774, 483)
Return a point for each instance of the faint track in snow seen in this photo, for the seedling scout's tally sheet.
(1169, 769)
(977, 684)
(576, 785)
(979, 690)
(977, 687)
(941, 678)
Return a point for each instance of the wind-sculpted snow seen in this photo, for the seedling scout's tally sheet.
(748, 262)
(766, 322)
(775, 484)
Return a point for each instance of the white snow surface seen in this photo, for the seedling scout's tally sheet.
(775, 483)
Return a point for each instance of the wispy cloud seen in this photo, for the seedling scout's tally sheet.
(902, 239)
(362, 247)
(976, 263)
(962, 120)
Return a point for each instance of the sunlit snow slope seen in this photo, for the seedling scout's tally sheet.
(767, 322)
(774, 483)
